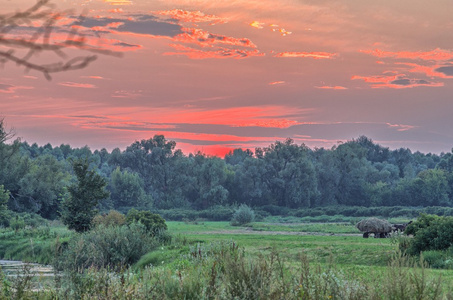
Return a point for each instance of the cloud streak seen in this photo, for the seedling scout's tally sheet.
(399, 81)
(314, 55)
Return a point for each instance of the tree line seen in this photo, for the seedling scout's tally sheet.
(152, 174)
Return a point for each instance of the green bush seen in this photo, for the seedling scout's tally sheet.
(17, 223)
(243, 215)
(112, 247)
(430, 233)
(439, 259)
(153, 223)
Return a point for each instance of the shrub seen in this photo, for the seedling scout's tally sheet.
(112, 247)
(243, 215)
(153, 223)
(113, 218)
(430, 233)
(17, 223)
(439, 259)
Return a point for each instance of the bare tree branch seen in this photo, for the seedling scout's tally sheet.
(5, 134)
(14, 36)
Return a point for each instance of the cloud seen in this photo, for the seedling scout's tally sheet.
(126, 45)
(315, 55)
(119, 2)
(191, 16)
(78, 85)
(446, 70)
(219, 52)
(401, 127)
(93, 77)
(11, 89)
(434, 55)
(337, 87)
(204, 38)
(276, 82)
(257, 24)
(399, 81)
(138, 24)
(126, 94)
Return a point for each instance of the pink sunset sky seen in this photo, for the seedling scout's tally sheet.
(218, 75)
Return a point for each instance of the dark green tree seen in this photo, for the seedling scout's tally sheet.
(79, 207)
(4, 215)
(126, 190)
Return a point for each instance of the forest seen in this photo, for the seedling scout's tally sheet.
(152, 174)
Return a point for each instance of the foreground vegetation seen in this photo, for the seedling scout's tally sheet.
(214, 260)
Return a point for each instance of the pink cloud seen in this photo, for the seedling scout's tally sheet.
(204, 38)
(436, 54)
(92, 77)
(118, 2)
(337, 87)
(191, 16)
(399, 81)
(276, 82)
(430, 71)
(315, 55)
(78, 85)
(126, 94)
(401, 127)
(193, 53)
(11, 89)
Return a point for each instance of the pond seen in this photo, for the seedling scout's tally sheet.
(34, 276)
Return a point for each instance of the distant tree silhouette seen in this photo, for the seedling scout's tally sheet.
(31, 32)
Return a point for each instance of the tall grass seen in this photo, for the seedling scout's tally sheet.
(225, 271)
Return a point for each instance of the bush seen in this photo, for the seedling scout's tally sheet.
(243, 215)
(430, 233)
(17, 223)
(113, 247)
(153, 223)
(113, 218)
(439, 259)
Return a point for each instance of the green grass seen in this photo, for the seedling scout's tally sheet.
(31, 245)
(348, 252)
(339, 244)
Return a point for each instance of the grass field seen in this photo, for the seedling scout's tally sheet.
(340, 243)
(323, 245)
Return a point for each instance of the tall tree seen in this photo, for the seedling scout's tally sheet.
(79, 208)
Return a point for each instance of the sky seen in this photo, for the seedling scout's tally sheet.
(218, 75)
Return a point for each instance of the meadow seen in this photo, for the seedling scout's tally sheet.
(271, 260)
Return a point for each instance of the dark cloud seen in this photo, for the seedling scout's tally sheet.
(407, 82)
(143, 24)
(401, 82)
(6, 87)
(126, 45)
(447, 70)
